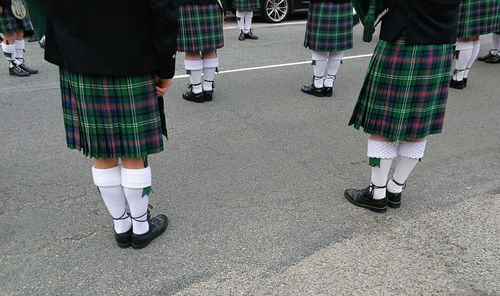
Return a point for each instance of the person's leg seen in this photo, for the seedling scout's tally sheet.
(476, 46)
(319, 62)
(136, 182)
(409, 153)
(464, 48)
(194, 66)
(210, 65)
(495, 46)
(334, 61)
(9, 51)
(247, 28)
(495, 50)
(107, 177)
(381, 152)
(240, 18)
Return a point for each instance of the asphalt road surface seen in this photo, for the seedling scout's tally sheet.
(253, 185)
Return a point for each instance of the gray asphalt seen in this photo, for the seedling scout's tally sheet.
(253, 185)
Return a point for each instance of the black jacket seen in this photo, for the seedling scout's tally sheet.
(424, 21)
(112, 37)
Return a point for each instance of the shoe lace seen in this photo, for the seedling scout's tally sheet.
(147, 214)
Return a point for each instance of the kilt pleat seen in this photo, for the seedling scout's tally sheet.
(246, 5)
(200, 28)
(478, 17)
(329, 27)
(405, 91)
(111, 117)
(9, 24)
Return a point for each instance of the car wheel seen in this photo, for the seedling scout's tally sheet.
(275, 11)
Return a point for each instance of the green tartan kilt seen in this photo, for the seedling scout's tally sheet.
(478, 17)
(329, 27)
(111, 117)
(200, 28)
(405, 91)
(9, 24)
(246, 5)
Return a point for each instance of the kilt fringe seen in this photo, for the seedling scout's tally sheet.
(246, 5)
(478, 17)
(110, 117)
(9, 24)
(405, 91)
(200, 28)
(329, 27)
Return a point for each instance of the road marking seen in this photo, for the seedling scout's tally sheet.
(270, 25)
(275, 66)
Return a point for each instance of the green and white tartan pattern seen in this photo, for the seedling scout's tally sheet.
(329, 27)
(200, 28)
(246, 5)
(405, 91)
(111, 117)
(9, 24)
(478, 17)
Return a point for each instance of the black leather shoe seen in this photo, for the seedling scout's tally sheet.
(157, 226)
(28, 69)
(192, 97)
(327, 91)
(242, 36)
(312, 90)
(208, 95)
(486, 57)
(124, 240)
(364, 198)
(18, 71)
(393, 199)
(494, 59)
(457, 84)
(251, 36)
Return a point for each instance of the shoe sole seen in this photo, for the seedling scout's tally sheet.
(137, 247)
(319, 95)
(393, 205)
(374, 209)
(15, 75)
(125, 246)
(200, 101)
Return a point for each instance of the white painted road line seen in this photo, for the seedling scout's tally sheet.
(275, 66)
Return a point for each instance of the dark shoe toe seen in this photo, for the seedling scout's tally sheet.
(124, 240)
(157, 226)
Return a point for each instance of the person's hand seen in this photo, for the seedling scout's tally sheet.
(162, 86)
(1, 9)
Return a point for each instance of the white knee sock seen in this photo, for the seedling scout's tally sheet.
(134, 182)
(495, 47)
(194, 69)
(209, 69)
(386, 152)
(319, 66)
(248, 22)
(409, 155)
(109, 183)
(465, 53)
(334, 61)
(20, 45)
(9, 51)
(240, 18)
(475, 52)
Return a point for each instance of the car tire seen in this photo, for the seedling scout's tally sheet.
(275, 11)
